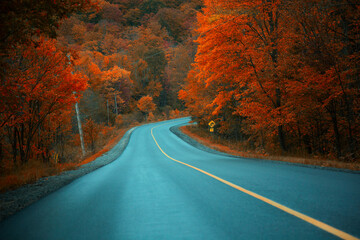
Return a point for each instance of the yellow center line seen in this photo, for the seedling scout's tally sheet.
(304, 217)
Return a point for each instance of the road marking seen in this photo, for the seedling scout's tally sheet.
(297, 214)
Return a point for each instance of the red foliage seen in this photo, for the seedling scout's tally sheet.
(38, 88)
(284, 69)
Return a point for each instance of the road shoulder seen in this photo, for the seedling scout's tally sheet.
(13, 201)
(176, 130)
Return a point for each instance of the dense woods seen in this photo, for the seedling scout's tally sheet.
(279, 75)
(120, 61)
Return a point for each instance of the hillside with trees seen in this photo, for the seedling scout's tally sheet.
(280, 77)
(120, 62)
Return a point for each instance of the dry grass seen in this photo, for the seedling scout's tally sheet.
(238, 150)
(111, 143)
(34, 170)
(28, 173)
(16, 176)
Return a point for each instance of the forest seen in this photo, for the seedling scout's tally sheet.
(280, 76)
(119, 63)
(275, 76)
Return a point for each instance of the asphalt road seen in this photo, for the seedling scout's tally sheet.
(147, 194)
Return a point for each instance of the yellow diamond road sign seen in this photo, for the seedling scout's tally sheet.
(211, 124)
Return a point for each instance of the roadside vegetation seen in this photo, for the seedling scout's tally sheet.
(106, 65)
(277, 77)
(34, 169)
(243, 149)
(103, 140)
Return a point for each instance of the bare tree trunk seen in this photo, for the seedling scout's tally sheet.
(281, 132)
(108, 116)
(1, 152)
(80, 129)
(116, 108)
(337, 136)
(21, 138)
(334, 121)
(14, 148)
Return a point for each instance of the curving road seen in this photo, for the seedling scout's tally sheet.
(163, 188)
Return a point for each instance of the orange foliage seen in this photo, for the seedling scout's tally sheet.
(116, 56)
(119, 121)
(38, 89)
(91, 133)
(116, 86)
(151, 117)
(146, 105)
(110, 144)
(280, 71)
(154, 88)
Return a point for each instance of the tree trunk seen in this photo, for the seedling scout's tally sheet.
(281, 132)
(1, 153)
(108, 116)
(281, 135)
(306, 140)
(337, 134)
(80, 129)
(21, 138)
(116, 107)
(14, 143)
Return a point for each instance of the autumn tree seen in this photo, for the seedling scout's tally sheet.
(274, 68)
(24, 21)
(232, 56)
(173, 20)
(146, 105)
(20, 20)
(91, 134)
(106, 39)
(327, 53)
(197, 98)
(37, 89)
(124, 49)
(117, 88)
(179, 65)
(111, 13)
(151, 6)
(150, 64)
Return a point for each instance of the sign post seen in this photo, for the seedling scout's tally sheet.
(212, 125)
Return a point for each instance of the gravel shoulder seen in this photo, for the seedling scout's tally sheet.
(13, 201)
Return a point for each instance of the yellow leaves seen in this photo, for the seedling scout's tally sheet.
(214, 18)
(116, 74)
